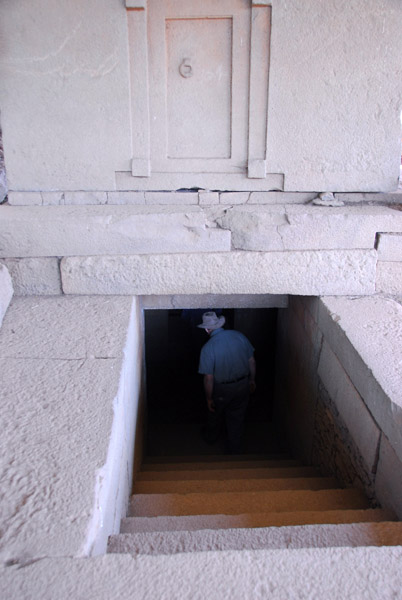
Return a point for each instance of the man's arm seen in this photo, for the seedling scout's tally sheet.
(253, 369)
(208, 388)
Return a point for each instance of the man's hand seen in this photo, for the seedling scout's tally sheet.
(252, 387)
(211, 405)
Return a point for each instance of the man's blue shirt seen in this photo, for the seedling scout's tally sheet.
(226, 355)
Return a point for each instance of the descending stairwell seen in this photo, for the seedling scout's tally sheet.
(188, 504)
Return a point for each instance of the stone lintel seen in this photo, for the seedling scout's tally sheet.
(304, 273)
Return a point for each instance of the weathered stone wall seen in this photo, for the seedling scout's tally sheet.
(334, 102)
(339, 380)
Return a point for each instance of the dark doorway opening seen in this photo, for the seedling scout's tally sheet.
(175, 396)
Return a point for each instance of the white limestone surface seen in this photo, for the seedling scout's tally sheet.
(336, 573)
(260, 538)
(97, 230)
(389, 278)
(63, 394)
(390, 247)
(305, 273)
(366, 336)
(308, 227)
(34, 276)
(350, 405)
(6, 291)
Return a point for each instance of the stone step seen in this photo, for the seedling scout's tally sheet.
(150, 505)
(219, 521)
(237, 473)
(186, 458)
(305, 536)
(234, 485)
(221, 464)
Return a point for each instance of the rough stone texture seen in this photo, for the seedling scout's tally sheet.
(323, 70)
(173, 198)
(6, 291)
(309, 273)
(272, 519)
(280, 197)
(97, 230)
(389, 247)
(125, 198)
(52, 198)
(389, 278)
(365, 334)
(64, 144)
(335, 451)
(231, 301)
(271, 228)
(24, 198)
(208, 198)
(358, 573)
(307, 536)
(34, 276)
(63, 462)
(234, 198)
(350, 405)
(85, 198)
(389, 478)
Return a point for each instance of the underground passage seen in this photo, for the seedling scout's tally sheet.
(311, 464)
(175, 395)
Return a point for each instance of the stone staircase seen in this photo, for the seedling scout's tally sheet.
(193, 504)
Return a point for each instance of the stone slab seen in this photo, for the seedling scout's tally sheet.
(206, 300)
(263, 538)
(85, 198)
(366, 335)
(366, 573)
(272, 519)
(350, 405)
(125, 198)
(388, 482)
(389, 247)
(281, 197)
(389, 278)
(295, 227)
(34, 276)
(16, 198)
(172, 198)
(97, 230)
(305, 273)
(65, 328)
(59, 405)
(6, 291)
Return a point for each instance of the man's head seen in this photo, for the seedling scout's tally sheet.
(210, 321)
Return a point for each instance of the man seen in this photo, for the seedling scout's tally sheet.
(228, 365)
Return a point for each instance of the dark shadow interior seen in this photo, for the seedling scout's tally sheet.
(175, 396)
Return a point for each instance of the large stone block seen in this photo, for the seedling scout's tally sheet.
(68, 413)
(303, 227)
(6, 291)
(350, 405)
(34, 276)
(97, 230)
(366, 336)
(388, 483)
(201, 301)
(390, 247)
(308, 273)
(16, 198)
(389, 278)
(281, 197)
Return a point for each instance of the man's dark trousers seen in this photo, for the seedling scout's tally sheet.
(230, 401)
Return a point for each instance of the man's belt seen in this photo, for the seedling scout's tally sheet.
(233, 380)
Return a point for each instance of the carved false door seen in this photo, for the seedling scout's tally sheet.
(207, 93)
